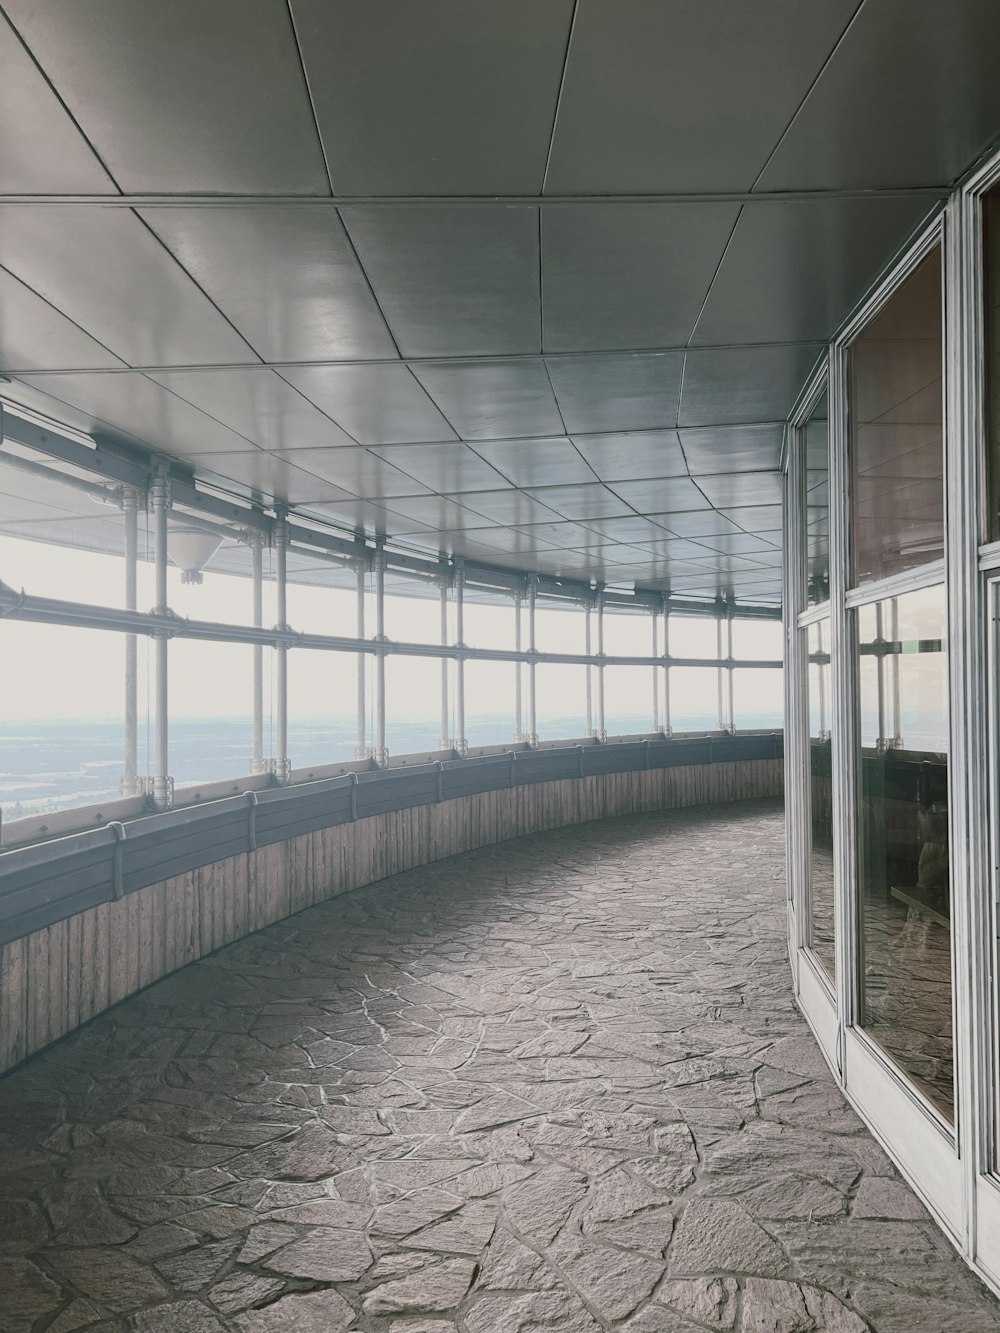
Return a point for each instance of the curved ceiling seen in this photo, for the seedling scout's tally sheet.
(533, 283)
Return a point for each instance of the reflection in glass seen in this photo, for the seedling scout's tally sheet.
(904, 892)
(897, 492)
(821, 924)
(817, 438)
(991, 313)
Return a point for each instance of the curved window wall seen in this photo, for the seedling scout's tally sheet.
(892, 622)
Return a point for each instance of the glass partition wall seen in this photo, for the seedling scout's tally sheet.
(892, 623)
(204, 646)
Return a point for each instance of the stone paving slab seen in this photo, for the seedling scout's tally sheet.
(554, 1086)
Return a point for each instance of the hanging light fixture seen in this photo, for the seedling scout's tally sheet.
(191, 549)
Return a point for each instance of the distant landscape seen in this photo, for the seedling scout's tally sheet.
(54, 764)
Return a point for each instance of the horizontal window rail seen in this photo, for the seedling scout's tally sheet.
(82, 615)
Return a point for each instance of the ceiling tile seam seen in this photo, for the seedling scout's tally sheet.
(368, 283)
(422, 388)
(123, 368)
(59, 98)
(279, 364)
(177, 199)
(541, 287)
(196, 284)
(559, 95)
(316, 408)
(809, 92)
(309, 94)
(708, 293)
(164, 388)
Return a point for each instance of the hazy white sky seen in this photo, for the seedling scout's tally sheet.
(55, 672)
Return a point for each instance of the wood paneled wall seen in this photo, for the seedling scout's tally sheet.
(59, 977)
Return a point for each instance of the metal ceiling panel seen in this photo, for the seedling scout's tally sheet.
(759, 519)
(628, 275)
(435, 96)
(379, 404)
(629, 457)
(264, 477)
(436, 511)
(684, 97)
(183, 96)
(617, 393)
(287, 278)
(564, 536)
(582, 502)
(357, 471)
(507, 506)
(445, 468)
(495, 400)
(696, 523)
(42, 152)
(453, 281)
(507, 540)
(635, 530)
(911, 97)
(751, 384)
(35, 336)
(537, 462)
(662, 495)
(258, 404)
(795, 270)
(740, 543)
(711, 449)
(106, 271)
(361, 517)
(132, 404)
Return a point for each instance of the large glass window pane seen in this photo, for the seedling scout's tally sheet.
(560, 701)
(628, 700)
(821, 928)
(991, 312)
(489, 703)
(817, 442)
(694, 699)
(758, 698)
(896, 456)
(904, 891)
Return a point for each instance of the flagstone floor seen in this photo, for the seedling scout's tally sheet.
(554, 1086)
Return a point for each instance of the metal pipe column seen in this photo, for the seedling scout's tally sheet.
(602, 734)
(255, 540)
(518, 672)
(130, 776)
(719, 670)
(282, 765)
(445, 741)
(666, 665)
(656, 678)
(361, 740)
(159, 496)
(590, 672)
(381, 749)
(730, 669)
(461, 744)
(532, 711)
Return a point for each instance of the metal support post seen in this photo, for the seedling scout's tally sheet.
(282, 765)
(159, 497)
(381, 749)
(730, 669)
(656, 675)
(666, 666)
(719, 612)
(461, 744)
(361, 750)
(589, 669)
(602, 731)
(445, 742)
(255, 540)
(130, 785)
(518, 673)
(532, 736)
